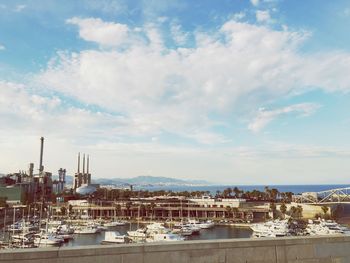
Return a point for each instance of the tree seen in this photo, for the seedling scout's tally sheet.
(296, 212)
(273, 209)
(300, 211)
(337, 212)
(274, 194)
(325, 209)
(236, 191)
(70, 209)
(63, 210)
(229, 210)
(283, 209)
(234, 211)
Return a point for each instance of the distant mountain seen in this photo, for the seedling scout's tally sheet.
(141, 180)
(154, 180)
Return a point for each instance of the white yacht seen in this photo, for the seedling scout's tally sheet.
(138, 234)
(166, 237)
(47, 239)
(194, 226)
(182, 230)
(115, 223)
(86, 230)
(114, 237)
(276, 228)
(157, 228)
(207, 224)
(325, 227)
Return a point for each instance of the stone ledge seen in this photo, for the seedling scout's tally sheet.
(288, 248)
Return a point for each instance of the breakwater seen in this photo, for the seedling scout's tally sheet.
(328, 249)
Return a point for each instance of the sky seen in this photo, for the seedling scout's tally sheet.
(229, 91)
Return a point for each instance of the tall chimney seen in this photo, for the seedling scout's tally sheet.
(87, 165)
(84, 164)
(41, 167)
(31, 169)
(78, 163)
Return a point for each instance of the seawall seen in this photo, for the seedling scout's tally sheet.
(330, 249)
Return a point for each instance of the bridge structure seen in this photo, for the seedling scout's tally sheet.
(327, 197)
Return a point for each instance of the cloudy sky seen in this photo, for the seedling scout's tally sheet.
(230, 91)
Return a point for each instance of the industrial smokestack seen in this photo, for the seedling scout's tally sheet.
(87, 165)
(31, 169)
(41, 167)
(78, 163)
(84, 164)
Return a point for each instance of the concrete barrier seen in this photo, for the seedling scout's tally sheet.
(327, 249)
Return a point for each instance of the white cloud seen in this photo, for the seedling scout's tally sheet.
(147, 90)
(263, 16)
(2, 47)
(264, 117)
(238, 16)
(255, 2)
(68, 130)
(178, 34)
(103, 33)
(160, 89)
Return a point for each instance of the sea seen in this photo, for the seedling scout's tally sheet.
(296, 189)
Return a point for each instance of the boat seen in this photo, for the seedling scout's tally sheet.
(156, 228)
(86, 230)
(276, 228)
(165, 237)
(114, 237)
(138, 233)
(115, 223)
(325, 227)
(182, 230)
(207, 224)
(47, 239)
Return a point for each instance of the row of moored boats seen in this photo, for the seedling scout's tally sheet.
(282, 228)
(35, 233)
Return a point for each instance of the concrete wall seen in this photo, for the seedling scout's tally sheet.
(335, 249)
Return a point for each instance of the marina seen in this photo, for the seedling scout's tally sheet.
(73, 234)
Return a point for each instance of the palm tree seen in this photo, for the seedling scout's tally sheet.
(273, 209)
(153, 205)
(118, 209)
(325, 210)
(236, 191)
(274, 193)
(229, 210)
(283, 209)
(234, 212)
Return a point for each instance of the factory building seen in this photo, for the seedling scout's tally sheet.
(82, 178)
(59, 185)
(26, 186)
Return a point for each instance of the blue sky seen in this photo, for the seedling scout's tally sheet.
(241, 92)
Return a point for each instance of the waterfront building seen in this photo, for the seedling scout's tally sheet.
(162, 209)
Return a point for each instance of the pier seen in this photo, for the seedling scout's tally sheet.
(328, 249)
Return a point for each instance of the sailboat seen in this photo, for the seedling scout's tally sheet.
(138, 235)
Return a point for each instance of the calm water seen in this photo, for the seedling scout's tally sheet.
(218, 232)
